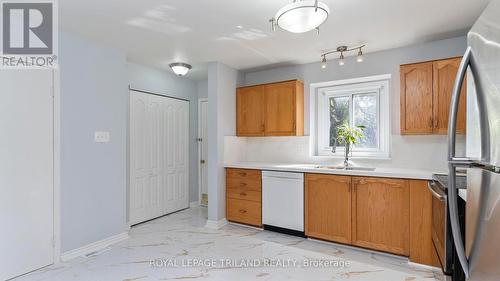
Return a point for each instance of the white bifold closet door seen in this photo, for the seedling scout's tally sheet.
(159, 153)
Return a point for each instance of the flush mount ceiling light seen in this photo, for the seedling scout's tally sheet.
(180, 68)
(301, 16)
(342, 50)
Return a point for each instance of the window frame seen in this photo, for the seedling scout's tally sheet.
(353, 87)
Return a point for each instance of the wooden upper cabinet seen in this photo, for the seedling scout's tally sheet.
(426, 90)
(282, 101)
(250, 111)
(328, 207)
(381, 214)
(445, 72)
(280, 112)
(416, 98)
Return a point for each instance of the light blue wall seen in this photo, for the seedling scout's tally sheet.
(163, 82)
(94, 97)
(202, 88)
(221, 86)
(383, 62)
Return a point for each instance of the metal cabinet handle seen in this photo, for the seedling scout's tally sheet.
(243, 184)
(358, 181)
(243, 194)
(435, 193)
(243, 211)
(243, 174)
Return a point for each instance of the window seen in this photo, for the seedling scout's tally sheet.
(365, 104)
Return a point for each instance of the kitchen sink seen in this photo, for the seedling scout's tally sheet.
(346, 168)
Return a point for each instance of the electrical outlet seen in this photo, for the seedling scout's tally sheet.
(101, 136)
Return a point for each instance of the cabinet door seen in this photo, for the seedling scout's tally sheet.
(445, 72)
(380, 214)
(328, 207)
(421, 247)
(416, 98)
(250, 111)
(280, 109)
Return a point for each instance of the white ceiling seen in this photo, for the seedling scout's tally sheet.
(237, 32)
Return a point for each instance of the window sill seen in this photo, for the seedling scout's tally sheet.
(352, 157)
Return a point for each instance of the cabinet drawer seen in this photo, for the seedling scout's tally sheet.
(243, 193)
(244, 211)
(243, 184)
(243, 174)
(244, 179)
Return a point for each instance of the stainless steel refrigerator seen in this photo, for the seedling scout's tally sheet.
(480, 257)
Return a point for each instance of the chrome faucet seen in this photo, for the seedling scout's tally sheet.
(347, 150)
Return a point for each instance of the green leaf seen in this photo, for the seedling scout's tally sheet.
(350, 134)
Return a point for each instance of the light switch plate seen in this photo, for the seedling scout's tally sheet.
(101, 136)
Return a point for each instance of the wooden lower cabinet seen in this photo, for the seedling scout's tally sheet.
(384, 214)
(421, 248)
(367, 212)
(328, 207)
(244, 196)
(381, 214)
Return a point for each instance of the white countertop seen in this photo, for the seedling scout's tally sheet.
(311, 168)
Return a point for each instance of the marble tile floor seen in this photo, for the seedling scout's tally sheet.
(179, 247)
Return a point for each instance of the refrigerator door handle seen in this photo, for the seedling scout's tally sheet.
(454, 221)
(452, 162)
(455, 100)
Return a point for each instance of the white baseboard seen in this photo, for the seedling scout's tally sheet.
(194, 204)
(94, 247)
(424, 266)
(354, 248)
(246, 225)
(216, 224)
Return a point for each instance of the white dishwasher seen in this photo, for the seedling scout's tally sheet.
(283, 202)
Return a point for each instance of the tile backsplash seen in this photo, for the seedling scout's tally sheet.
(418, 152)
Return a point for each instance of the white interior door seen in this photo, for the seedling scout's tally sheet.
(26, 171)
(203, 139)
(159, 167)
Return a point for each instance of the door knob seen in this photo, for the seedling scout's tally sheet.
(202, 161)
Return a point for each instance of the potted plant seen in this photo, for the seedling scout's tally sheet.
(349, 136)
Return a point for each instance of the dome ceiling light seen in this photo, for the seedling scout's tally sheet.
(180, 68)
(301, 16)
(342, 50)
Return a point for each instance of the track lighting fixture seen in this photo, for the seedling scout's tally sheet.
(342, 50)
